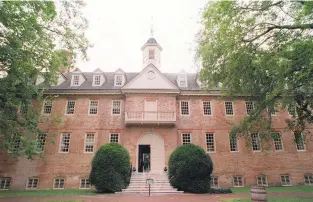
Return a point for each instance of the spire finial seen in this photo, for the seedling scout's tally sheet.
(152, 26)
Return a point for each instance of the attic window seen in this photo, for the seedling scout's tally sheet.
(118, 80)
(182, 80)
(97, 80)
(75, 80)
(151, 54)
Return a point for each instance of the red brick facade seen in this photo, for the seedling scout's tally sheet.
(75, 164)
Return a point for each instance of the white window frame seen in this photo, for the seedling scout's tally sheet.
(74, 81)
(246, 105)
(32, 183)
(303, 142)
(281, 142)
(214, 179)
(182, 139)
(6, 180)
(118, 137)
(93, 107)
(261, 182)
(89, 143)
(182, 77)
(237, 145)
(233, 108)
(42, 142)
(44, 107)
(180, 108)
(58, 183)
(116, 108)
(206, 142)
(94, 80)
(69, 143)
(281, 180)
(115, 80)
(259, 140)
(66, 107)
(310, 178)
(242, 180)
(210, 107)
(80, 183)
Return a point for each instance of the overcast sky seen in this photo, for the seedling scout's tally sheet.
(118, 29)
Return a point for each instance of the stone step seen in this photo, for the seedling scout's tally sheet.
(159, 191)
(142, 186)
(147, 189)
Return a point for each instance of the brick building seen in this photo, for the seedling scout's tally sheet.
(150, 113)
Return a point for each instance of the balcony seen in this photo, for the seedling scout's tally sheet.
(146, 117)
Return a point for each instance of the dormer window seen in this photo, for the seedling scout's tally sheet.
(182, 80)
(97, 80)
(151, 54)
(118, 80)
(75, 80)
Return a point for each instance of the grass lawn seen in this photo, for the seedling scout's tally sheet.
(298, 199)
(63, 201)
(67, 192)
(275, 189)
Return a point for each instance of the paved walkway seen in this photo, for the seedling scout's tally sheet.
(145, 198)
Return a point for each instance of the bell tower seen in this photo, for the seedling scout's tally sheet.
(151, 52)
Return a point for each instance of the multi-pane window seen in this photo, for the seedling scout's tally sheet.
(114, 137)
(116, 107)
(184, 108)
(15, 143)
(261, 180)
(207, 108)
(214, 182)
(65, 142)
(186, 138)
(58, 183)
(272, 111)
(24, 108)
(233, 142)
(47, 107)
(32, 183)
(255, 140)
(238, 181)
(118, 80)
(285, 180)
(183, 80)
(308, 179)
(210, 142)
(5, 183)
(278, 143)
(93, 106)
(151, 54)
(84, 184)
(299, 141)
(70, 108)
(97, 80)
(41, 141)
(75, 80)
(89, 142)
(249, 107)
(229, 109)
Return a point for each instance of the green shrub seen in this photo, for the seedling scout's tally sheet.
(220, 191)
(190, 169)
(110, 171)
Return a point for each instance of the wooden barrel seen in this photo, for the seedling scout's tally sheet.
(258, 194)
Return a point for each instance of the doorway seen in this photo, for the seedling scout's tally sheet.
(144, 164)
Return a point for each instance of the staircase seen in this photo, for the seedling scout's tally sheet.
(161, 184)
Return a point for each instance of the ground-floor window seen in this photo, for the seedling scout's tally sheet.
(186, 138)
(32, 183)
(5, 183)
(285, 180)
(238, 181)
(308, 179)
(214, 182)
(261, 180)
(84, 183)
(114, 137)
(58, 183)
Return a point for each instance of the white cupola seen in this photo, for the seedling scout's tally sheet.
(151, 53)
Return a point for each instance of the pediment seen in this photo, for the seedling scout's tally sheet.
(150, 78)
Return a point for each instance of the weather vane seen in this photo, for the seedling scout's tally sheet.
(152, 26)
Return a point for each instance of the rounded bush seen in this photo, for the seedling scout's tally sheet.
(190, 169)
(110, 168)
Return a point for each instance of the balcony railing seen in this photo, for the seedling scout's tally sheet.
(150, 117)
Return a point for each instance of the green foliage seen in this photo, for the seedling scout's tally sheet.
(110, 171)
(262, 50)
(51, 192)
(190, 169)
(31, 32)
(220, 191)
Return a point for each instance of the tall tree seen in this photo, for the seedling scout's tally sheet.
(31, 33)
(264, 51)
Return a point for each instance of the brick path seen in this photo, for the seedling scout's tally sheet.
(145, 198)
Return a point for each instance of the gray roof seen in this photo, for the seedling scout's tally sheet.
(109, 81)
(152, 41)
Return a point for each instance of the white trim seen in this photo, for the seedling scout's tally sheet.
(304, 146)
(120, 108)
(288, 185)
(89, 102)
(69, 143)
(181, 136)
(67, 105)
(43, 107)
(259, 139)
(59, 183)
(210, 108)
(206, 142)
(233, 107)
(218, 184)
(247, 108)
(180, 111)
(122, 77)
(94, 80)
(229, 144)
(186, 80)
(94, 140)
(257, 180)
(32, 183)
(282, 143)
(81, 182)
(242, 180)
(72, 80)
(118, 137)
